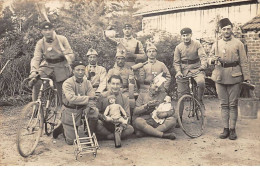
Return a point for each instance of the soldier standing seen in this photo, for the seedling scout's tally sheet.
(232, 68)
(152, 69)
(133, 47)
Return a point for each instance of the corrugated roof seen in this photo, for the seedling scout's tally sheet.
(253, 24)
(173, 5)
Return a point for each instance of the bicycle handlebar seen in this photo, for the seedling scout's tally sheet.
(33, 80)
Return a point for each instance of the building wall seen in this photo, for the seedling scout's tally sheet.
(202, 21)
(253, 46)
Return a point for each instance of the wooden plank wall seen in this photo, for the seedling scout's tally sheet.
(202, 22)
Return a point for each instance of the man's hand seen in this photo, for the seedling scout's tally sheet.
(214, 59)
(202, 68)
(162, 115)
(179, 75)
(152, 104)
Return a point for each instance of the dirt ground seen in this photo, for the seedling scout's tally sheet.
(148, 151)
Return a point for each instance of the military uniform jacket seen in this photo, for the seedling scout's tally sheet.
(230, 51)
(189, 52)
(152, 69)
(44, 50)
(75, 94)
(99, 79)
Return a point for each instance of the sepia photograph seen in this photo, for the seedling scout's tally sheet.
(130, 83)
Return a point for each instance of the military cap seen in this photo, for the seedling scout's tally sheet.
(92, 52)
(150, 46)
(46, 25)
(77, 63)
(128, 25)
(120, 53)
(186, 31)
(224, 22)
(111, 96)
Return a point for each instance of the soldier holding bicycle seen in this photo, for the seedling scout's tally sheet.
(52, 57)
(231, 68)
(189, 56)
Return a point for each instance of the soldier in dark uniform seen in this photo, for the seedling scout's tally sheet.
(231, 69)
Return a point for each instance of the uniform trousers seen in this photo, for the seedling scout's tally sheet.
(228, 95)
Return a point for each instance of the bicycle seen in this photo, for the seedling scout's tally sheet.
(190, 111)
(36, 116)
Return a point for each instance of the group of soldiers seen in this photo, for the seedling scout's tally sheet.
(133, 76)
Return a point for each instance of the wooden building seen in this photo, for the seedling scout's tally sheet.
(199, 15)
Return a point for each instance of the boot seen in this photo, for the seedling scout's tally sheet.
(170, 136)
(57, 131)
(225, 133)
(232, 135)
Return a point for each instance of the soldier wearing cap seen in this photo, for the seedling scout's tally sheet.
(146, 103)
(189, 57)
(133, 47)
(123, 71)
(78, 92)
(95, 73)
(231, 68)
(153, 68)
(52, 57)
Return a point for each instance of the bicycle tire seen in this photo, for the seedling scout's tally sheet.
(31, 124)
(50, 115)
(190, 118)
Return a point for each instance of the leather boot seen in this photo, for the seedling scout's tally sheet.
(57, 131)
(170, 136)
(232, 135)
(225, 133)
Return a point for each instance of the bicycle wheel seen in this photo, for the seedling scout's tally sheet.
(50, 113)
(30, 129)
(190, 116)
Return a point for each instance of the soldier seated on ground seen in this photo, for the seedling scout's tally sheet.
(143, 121)
(106, 129)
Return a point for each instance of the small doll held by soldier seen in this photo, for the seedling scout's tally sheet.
(115, 113)
(165, 106)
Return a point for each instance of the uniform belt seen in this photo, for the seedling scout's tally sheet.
(55, 60)
(147, 83)
(225, 65)
(130, 59)
(77, 107)
(188, 62)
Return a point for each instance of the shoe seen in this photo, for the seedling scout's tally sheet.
(232, 134)
(57, 131)
(170, 136)
(225, 133)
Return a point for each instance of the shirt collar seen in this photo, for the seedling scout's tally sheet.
(128, 38)
(152, 61)
(78, 81)
(227, 39)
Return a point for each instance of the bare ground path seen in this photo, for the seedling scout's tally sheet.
(205, 150)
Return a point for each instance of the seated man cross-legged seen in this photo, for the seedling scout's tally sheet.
(143, 120)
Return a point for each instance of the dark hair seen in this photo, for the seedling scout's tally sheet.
(115, 77)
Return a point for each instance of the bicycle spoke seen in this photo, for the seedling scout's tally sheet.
(191, 114)
(30, 129)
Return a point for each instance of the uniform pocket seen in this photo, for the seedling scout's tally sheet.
(236, 71)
